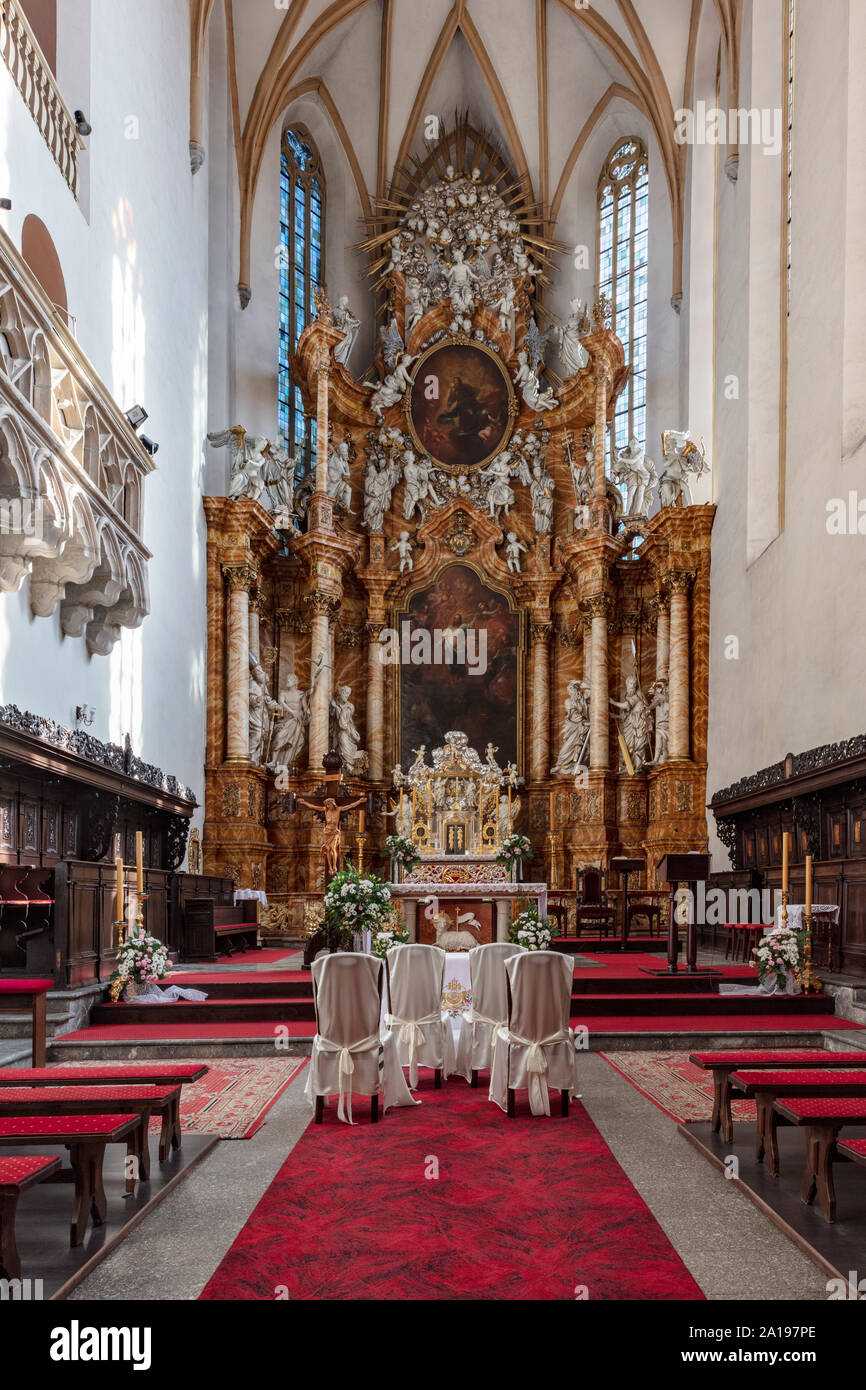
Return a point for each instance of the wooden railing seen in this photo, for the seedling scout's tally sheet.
(35, 81)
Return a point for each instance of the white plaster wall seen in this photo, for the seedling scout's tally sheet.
(136, 277)
(801, 670)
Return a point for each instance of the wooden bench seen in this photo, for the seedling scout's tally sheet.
(822, 1118)
(210, 927)
(742, 936)
(16, 1174)
(721, 1064)
(765, 1087)
(16, 993)
(97, 1100)
(86, 1137)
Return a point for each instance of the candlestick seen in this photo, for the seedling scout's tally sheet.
(119, 920)
(139, 862)
(362, 839)
(362, 821)
(808, 885)
(786, 840)
(552, 810)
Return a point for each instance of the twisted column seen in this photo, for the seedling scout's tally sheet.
(240, 579)
(539, 761)
(678, 670)
(599, 702)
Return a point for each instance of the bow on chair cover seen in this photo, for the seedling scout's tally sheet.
(423, 1033)
(348, 1052)
(535, 1049)
(489, 1011)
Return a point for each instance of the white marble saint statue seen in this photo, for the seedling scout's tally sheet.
(632, 468)
(660, 703)
(541, 490)
(461, 287)
(346, 738)
(247, 460)
(290, 722)
(681, 459)
(529, 386)
(574, 735)
(574, 355)
(345, 320)
(338, 475)
(500, 494)
(419, 486)
(379, 484)
(637, 722)
(403, 547)
(262, 708)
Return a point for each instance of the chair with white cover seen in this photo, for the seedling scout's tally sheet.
(489, 1011)
(535, 1049)
(421, 1028)
(348, 1053)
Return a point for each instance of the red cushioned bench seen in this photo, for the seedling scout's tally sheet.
(822, 1118)
(765, 1087)
(721, 1064)
(16, 993)
(97, 1100)
(209, 926)
(86, 1137)
(16, 1174)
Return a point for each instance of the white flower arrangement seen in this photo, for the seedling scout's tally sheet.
(355, 904)
(780, 954)
(402, 851)
(141, 959)
(531, 931)
(513, 850)
(388, 937)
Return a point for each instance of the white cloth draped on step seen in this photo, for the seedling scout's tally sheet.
(535, 1049)
(348, 1052)
(155, 995)
(417, 1022)
(489, 1010)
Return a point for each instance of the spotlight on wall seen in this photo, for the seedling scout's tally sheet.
(6, 204)
(150, 445)
(136, 416)
(82, 124)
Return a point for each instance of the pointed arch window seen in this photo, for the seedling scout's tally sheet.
(302, 272)
(622, 272)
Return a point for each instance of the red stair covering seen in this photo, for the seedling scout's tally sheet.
(56, 1129)
(25, 986)
(802, 1057)
(16, 1170)
(815, 1080)
(130, 1074)
(854, 1148)
(82, 1095)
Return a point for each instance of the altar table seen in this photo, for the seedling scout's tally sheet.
(501, 894)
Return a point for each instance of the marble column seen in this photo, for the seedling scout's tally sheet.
(663, 637)
(322, 442)
(599, 702)
(600, 476)
(255, 605)
(240, 579)
(321, 606)
(586, 624)
(503, 918)
(410, 917)
(375, 701)
(539, 758)
(678, 669)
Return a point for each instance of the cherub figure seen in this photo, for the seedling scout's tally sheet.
(403, 547)
(513, 548)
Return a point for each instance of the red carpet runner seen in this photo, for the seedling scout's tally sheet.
(521, 1209)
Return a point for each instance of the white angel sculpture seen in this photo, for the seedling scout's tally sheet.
(529, 386)
(345, 320)
(680, 458)
(338, 475)
(247, 460)
(574, 355)
(394, 387)
(632, 468)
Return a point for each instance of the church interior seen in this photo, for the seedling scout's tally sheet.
(432, 750)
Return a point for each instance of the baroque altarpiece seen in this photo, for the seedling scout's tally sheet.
(459, 557)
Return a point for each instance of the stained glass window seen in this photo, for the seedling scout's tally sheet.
(302, 268)
(623, 250)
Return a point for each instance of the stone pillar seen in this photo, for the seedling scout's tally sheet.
(586, 624)
(663, 637)
(599, 702)
(321, 606)
(600, 476)
(678, 671)
(240, 579)
(255, 605)
(503, 918)
(322, 444)
(539, 759)
(375, 701)
(410, 917)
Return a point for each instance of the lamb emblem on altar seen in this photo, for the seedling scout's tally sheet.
(447, 936)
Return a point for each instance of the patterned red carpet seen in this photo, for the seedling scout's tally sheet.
(234, 1098)
(674, 1084)
(451, 1200)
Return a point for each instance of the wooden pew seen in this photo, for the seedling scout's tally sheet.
(16, 1174)
(721, 1064)
(822, 1118)
(86, 1137)
(97, 1100)
(211, 928)
(765, 1087)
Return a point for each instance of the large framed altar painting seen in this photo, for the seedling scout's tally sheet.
(481, 695)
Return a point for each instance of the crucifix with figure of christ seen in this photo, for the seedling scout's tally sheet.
(332, 802)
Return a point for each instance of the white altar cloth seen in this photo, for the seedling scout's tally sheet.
(456, 995)
(796, 912)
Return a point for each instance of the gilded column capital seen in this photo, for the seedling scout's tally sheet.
(680, 581)
(291, 620)
(257, 601)
(240, 578)
(320, 601)
(373, 629)
(598, 606)
(540, 630)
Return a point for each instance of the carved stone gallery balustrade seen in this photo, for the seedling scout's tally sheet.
(71, 474)
(35, 81)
